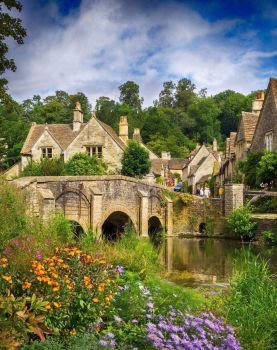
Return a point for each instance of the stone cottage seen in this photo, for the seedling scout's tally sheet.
(265, 135)
(64, 140)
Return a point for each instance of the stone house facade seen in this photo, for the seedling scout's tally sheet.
(265, 136)
(64, 140)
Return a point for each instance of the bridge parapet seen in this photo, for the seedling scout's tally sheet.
(91, 200)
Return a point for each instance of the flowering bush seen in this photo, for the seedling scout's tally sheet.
(186, 332)
(78, 287)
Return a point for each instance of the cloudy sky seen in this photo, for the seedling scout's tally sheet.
(93, 46)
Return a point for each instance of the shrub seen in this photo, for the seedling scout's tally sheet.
(46, 167)
(250, 305)
(249, 168)
(83, 164)
(12, 212)
(78, 286)
(135, 160)
(241, 224)
(270, 237)
(265, 205)
(267, 168)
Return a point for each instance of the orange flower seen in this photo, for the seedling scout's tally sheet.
(26, 285)
(73, 332)
(95, 300)
(55, 289)
(57, 304)
(3, 259)
(7, 278)
(4, 265)
(89, 286)
(48, 307)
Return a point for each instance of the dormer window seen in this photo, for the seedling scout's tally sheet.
(269, 141)
(47, 152)
(95, 151)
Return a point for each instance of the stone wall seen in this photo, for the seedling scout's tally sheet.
(234, 197)
(189, 217)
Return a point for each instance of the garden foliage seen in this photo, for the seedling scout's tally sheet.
(241, 224)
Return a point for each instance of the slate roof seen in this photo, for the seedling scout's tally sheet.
(247, 126)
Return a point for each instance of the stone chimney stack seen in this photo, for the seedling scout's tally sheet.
(257, 104)
(123, 129)
(136, 135)
(214, 145)
(77, 117)
(166, 155)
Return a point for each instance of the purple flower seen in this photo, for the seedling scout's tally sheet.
(119, 269)
(150, 305)
(39, 255)
(109, 335)
(134, 321)
(117, 319)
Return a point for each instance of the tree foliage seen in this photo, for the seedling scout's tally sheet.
(267, 168)
(135, 160)
(10, 28)
(129, 94)
(249, 169)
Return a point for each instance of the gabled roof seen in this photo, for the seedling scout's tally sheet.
(61, 133)
(247, 126)
(113, 134)
(171, 164)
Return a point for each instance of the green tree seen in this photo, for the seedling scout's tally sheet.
(231, 104)
(249, 168)
(184, 93)
(83, 164)
(10, 28)
(129, 94)
(205, 113)
(166, 96)
(267, 168)
(135, 160)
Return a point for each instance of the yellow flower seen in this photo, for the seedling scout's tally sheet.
(3, 265)
(7, 278)
(56, 304)
(3, 259)
(89, 286)
(55, 289)
(26, 285)
(95, 300)
(48, 307)
(73, 332)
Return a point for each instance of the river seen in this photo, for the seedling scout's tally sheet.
(207, 262)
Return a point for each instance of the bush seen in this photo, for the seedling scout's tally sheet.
(12, 212)
(250, 305)
(46, 167)
(270, 237)
(241, 224)
(265, 205)
(135, 160)
(83, 164)
(249, 168)
(267, 169)
(78, 287)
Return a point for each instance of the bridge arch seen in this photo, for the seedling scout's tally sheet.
(115, 225)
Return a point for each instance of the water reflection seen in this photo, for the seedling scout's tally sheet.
(206, 261)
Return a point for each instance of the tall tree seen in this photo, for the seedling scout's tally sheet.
(129, 94)
(231, 104)
(166, 96)
(184, 93)
(10, 28)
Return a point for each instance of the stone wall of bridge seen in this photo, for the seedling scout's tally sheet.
(91, 200)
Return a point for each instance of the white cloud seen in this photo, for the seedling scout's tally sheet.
(103, 44)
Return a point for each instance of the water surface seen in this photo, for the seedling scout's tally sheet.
(207, 262)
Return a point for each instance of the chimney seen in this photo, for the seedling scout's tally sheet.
(166, 155)
(214, 145)
(257, 104)
(123, 129)
(77, 117)
(136, 135)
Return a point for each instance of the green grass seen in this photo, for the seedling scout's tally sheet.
(251, 304)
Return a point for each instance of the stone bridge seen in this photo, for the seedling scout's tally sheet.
(102, 203)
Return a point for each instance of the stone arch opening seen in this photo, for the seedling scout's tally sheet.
(155, 230)
(77, 229)
(115, 225)
(202, 227)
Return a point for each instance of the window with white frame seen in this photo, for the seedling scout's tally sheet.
(96, 151)
(269, 141)
(47, 152)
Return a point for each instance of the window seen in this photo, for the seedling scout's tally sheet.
(268, 141)
(47, 152)
(95, 151)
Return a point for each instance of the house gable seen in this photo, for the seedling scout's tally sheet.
(267, 121)
(45, 140)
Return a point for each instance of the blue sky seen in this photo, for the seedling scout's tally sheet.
(93, 46)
